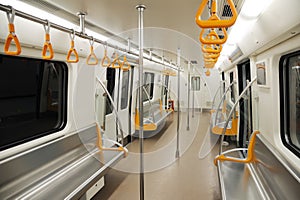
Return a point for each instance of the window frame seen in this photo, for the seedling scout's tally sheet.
(61, 110)
(284, 105)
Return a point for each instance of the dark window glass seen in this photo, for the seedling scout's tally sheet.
(33, 96)
(110, 77)
(148, 86)
(125, 89)
(232, 87)
(290, 101)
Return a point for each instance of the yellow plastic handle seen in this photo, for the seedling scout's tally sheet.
(47, 46)
(213, 37)
(105, 60)
(207, 73)
(211, 48)
(209, 64)
(92, 58)
(211, 55)
(72, 50)
(214, 21)
(125, 65)
(12, 36)
(116, 63)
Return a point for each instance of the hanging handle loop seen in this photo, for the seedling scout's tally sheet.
(211, 48)
(47, 43)
(105, 60)
(12, 35)
(125, 65)
(214, 21)
(72, 50)
(92, 58)
(116, 63)
(212, 37)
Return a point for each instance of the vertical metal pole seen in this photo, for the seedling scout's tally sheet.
(141, 9)
(178, 102)
(193, 113)
(188, 111)
(81, 16)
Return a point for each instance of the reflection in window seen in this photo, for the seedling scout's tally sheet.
(33, 96)
(148, 86)
(125, 88)
(195, 81)
(290, 95)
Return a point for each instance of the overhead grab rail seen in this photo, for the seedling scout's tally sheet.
(212, 37)
(12, 35)
(47, 43)
(214, 21)
(72, 50)
(27, 16)
(92, 58)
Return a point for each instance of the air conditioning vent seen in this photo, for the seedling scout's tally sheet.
(226, 11)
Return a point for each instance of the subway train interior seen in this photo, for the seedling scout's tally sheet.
(136, 99)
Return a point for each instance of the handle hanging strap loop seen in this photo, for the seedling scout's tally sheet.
(212, 37)
(105, 60)
(92, 59)
(72, 50)
(12, 35)
(125, 65)
(47, 43)
(116, 63)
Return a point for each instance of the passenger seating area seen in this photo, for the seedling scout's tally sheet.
(266, 177)
(64, 169)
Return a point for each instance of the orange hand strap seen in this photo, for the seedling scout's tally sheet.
(116, 63)
(211, 55)
(211, 48)
(92, 58)
(207, 73)
(12, 36)
(47, 44)
(72, 50)
(125, 65)
(105, 60)
(213, 37)
(214, 21)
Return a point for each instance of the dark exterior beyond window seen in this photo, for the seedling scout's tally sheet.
(290, 101)
(33, 99)
(232, 87)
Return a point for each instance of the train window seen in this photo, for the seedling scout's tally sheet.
(148, 86)
(33, 99)
(290, 98)
(110, 77)
(232, 87)
(125, 89)
(195, 80)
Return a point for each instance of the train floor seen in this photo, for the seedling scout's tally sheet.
(188, 177)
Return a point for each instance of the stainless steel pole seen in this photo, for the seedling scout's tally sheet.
(141, 9)
(188, 111)
(193, 113)
(178, 102)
